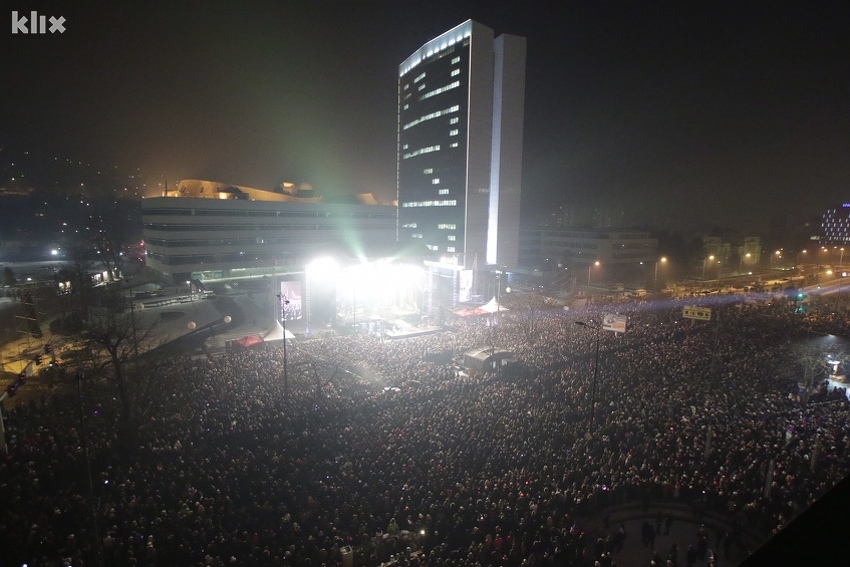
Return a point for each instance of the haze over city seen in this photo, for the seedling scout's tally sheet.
(726, 113)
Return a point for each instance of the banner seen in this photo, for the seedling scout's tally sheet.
(701, 313)
(614, 322)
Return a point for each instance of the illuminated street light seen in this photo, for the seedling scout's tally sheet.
(663, 260)
(706, 261)
(744, 257)
(283, 300)
(589, 267)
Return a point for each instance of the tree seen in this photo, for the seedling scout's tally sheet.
(114, 348)
(814, 355)
(527, 309)
(109, 237)
(79, 265)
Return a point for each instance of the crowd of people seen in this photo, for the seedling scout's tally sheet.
(366, 450)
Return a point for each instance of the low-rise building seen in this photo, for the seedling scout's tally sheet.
(207, 230)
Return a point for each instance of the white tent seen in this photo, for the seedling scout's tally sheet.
(493, 306)
(276, 333)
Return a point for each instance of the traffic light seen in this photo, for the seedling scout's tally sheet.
(22, 379)
(12, 390)
(48, 349)
(38, 359)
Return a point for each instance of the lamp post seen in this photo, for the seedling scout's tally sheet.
(706, 261)
(284, 301)
(598, 329)
(90, 483)
(589, 267)
(744, 257)
(663, 260)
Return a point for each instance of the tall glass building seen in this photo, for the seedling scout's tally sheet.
(460, 128)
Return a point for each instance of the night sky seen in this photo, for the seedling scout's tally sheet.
(681, 113)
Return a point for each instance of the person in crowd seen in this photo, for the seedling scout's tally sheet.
(400, 457)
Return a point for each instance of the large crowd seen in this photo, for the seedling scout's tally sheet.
(367, 450)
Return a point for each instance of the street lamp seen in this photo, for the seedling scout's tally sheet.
(589, 267)
(744, 257)
(706, 261)
(284, 301)
(598, 329)
(663, 260)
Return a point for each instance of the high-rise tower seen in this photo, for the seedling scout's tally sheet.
(460, 127)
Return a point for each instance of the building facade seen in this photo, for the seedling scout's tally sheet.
(212, 231)
(600, 255)
(835, 225)
(460, 129)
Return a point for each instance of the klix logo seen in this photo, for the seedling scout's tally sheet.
(37, 24)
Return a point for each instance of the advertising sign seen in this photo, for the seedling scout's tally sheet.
(701, 313)
(614, 322)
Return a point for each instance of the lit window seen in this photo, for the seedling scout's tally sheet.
(441, 90)
(433, 247)
(444, 192)
(453, 132)
(421, 151)
(448, 248)
(454, 120)
(447, 226)
(446, 203)
(409, 225)
(452, 237)
(431, 116)
(455, 60)
(406, 106)
(453, 145)
(428, 170)
(455, 72)
(419, 78)
(422, 86)
(435, 181)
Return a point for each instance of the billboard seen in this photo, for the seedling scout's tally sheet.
(701, 313)
(614, 322)
(290, 290)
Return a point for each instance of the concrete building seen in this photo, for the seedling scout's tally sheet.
(207, 230)
(607, 255)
